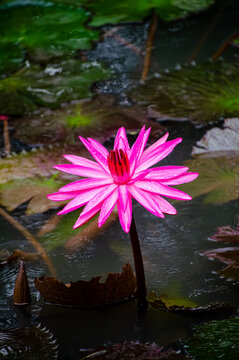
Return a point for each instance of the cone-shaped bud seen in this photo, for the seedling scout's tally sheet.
(21, 296)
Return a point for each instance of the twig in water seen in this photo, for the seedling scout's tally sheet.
(152, 30)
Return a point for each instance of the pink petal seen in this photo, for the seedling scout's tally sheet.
(59, 196)
(79, 160)
(125, 217)
(99, 147)
(158, 154)
(158, 143)
(86, 184)
(123, 196)
(184, 178)
(164, 205)
(146, 200)
(158, 188)
(84, 219)
(121, 141)
(165, 172)
(136, 147)
(97, 154)
(80, 200)
(107, 207)
(81, 171)
(99, 197)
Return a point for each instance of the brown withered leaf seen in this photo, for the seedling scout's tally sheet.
(92, 293)
(227, 234)
(21, 296)
(229, 256)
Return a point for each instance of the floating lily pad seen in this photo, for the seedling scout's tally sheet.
(44, 29)
(216, 139)
(215, 340)
(33, 86)
(28, 343)
(186, 307)
(202, 93)
(218, 179)
(106, 11)
(85, 294)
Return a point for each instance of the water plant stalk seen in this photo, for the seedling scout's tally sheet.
(138, 263)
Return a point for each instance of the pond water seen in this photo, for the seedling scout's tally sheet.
(171, 247)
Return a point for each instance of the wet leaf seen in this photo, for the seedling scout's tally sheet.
(229, 256)
(202, 93)
(44, 29)
(22, 296)
(215, 340)
(187, 307)
(227, 234)
(218, 178)
(130, 10)
(85, 294)
(34, 86)
(135, 350)
(28, 343)
(216, 139)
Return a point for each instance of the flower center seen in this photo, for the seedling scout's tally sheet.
(118, 163)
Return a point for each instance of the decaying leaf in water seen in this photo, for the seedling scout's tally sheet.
(189, 308)
(22, 296)
(227, 234)
(229, 256)
(134, 350)
(218, 179)
(34, 342)
(22, 255)
(86, 294)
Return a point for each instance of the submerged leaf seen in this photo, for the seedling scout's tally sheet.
(85, 294)
(227, 234)
(218, 179)
(202, 93)
(215, 340)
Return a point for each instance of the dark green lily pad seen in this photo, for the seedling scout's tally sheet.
(33, 86)
(215, 340)
(45, 29)
(202, 93)
(218, 178)
(106, 11)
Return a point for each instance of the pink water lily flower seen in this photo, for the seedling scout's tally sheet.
(124, 173)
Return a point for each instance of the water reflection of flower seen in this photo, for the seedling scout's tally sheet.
(120, 175)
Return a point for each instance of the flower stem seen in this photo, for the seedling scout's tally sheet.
(138, 263)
